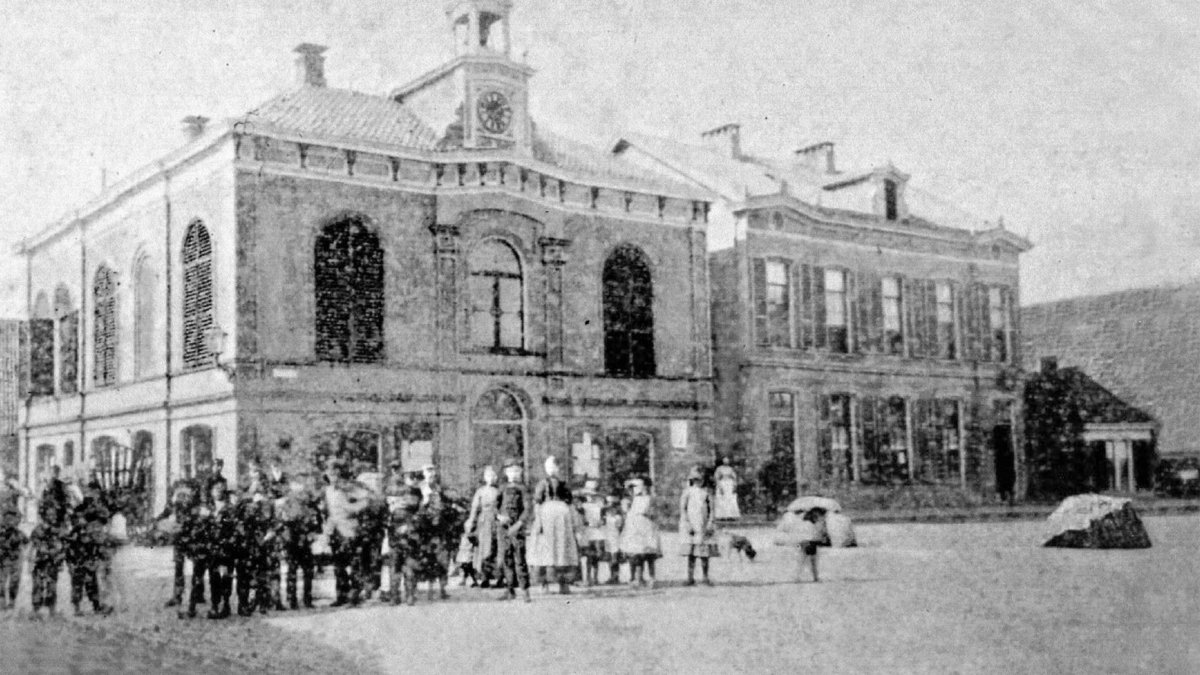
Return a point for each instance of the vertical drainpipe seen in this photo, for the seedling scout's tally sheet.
(26, 477)
(168, 271)
(81, 339)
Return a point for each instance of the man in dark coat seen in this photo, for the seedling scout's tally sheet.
(216, 549)
(184, 506)
(47, 544)
(85, 545)
(516, 510)
(404, 539)
(12, 540)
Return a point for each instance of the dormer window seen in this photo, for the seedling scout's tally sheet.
(891, 204)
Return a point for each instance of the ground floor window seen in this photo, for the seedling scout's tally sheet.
(498, 431)
(196, 450)
(884, 455)
(938, 440)
(414, 445)
(44, 459)
(835, 456)
(778, 475)
(626, 454)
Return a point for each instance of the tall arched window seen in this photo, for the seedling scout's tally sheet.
(497, 299)
(498, 424)
(104, 329)
(68, 341)
(197, 295)
(628, 314)
(145, 285)
(348, 273)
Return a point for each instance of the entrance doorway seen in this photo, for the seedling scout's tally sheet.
(1002, 450)
(626, 454)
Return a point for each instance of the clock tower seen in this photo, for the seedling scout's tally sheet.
(480, 99)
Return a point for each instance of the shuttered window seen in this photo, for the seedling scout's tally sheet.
(947, 334)
(104, 328)
(835, 455)
(938, 441)
(885, 454)
(893, 315)
(772, 303)
(41, 357)
(68, 341)
(349, 287)
(197, 295)
(837, 320)
(1000, 323)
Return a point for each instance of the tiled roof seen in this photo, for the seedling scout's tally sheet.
(576, 157)
(848, 193)
(1142, 344)
(324, 112)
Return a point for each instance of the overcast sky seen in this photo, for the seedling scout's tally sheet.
(1076, 121)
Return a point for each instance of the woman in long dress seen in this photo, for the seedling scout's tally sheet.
(552, 542)
(696, 527)
(640, 542)
(481, 525)
(726, 507)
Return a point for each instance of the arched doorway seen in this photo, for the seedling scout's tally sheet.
(196, 451)
(498, 431)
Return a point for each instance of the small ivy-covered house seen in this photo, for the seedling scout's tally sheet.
(1080, 437)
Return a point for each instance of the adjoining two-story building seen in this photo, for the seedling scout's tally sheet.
(864, 334)
(424, 276)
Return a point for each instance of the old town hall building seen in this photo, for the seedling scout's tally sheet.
(422, 276)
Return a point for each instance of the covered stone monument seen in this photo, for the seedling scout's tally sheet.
(1096, 521)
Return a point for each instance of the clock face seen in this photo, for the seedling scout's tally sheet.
(495, 113)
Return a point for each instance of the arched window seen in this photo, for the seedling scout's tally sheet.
(145, 285)
(628, 314)
(44, 460)
(498, 423)
(108, 461)
(348, 273)
(497, 299)
(197, 295)
(68, 341)
(196, 450)
(69, 453)
(104, 330)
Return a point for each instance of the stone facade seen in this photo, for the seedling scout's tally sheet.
(235, 259)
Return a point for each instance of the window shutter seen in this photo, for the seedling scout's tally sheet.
(762, 336)
(1012, 306)
(818, 304)
(852, 319)
(824, 437)
(875, 325)
(804, 301)
(986, 349)
(68, 352)
(41, 357)
(921, 455)
(867, 296)
(972, 333)
(908, 309)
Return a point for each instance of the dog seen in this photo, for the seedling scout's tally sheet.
(742, 546)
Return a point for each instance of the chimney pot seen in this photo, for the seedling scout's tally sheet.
(310, 65)
(733, 132)
(194, 126)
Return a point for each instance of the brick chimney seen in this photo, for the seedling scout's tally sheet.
(310, 65)
(818, 157)
(727, 138)
(194, 126)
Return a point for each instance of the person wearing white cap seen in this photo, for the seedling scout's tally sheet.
(552, 543)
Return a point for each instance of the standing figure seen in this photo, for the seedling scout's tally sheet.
(516, 508)
(404, 541)
(727, 501)
(12, 541)
(552, 543)
(639, 537)
(810, 532)
(481, 524)
(696, 527)
(343, 502)
(85, 546)
(300, 521)
(183, 506)
(372, 530)
(217, 550)
(438, 527)
(47, 544)
(594, 549)
(614, 521)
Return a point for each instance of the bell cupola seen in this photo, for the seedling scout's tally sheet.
(480, 26)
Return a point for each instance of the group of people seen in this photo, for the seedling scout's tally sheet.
(377, 536)
(272, 526)
(80, 524)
